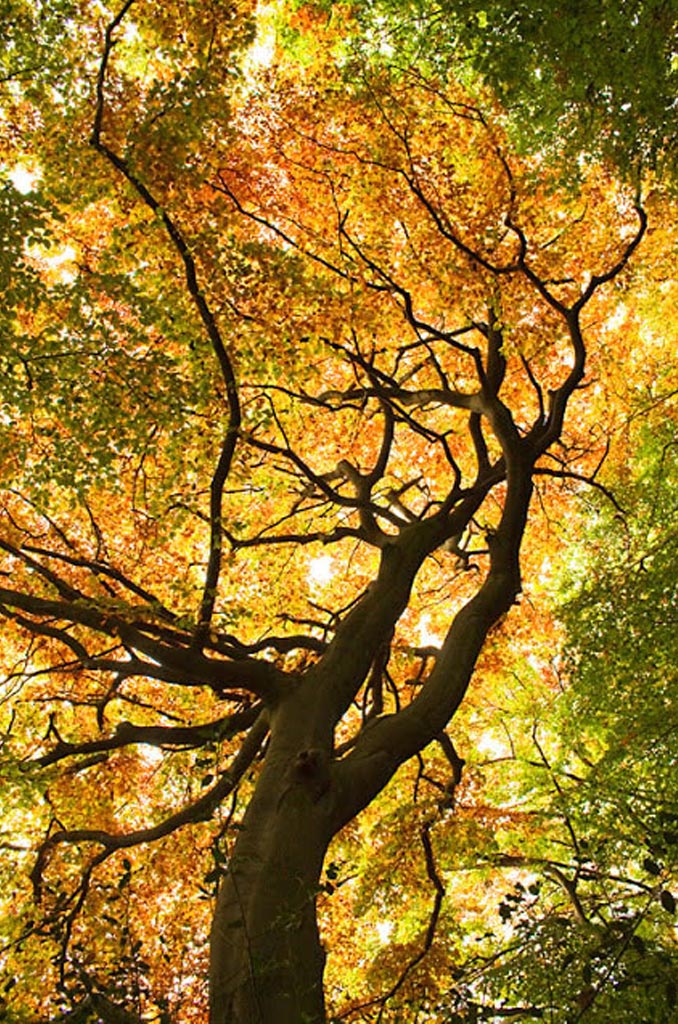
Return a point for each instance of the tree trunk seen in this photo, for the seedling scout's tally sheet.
(266, 959)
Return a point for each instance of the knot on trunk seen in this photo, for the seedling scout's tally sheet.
(311, 768)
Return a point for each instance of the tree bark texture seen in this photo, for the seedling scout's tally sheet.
(267, 961)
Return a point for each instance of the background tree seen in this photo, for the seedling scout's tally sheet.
(574, 81)
(285, 358)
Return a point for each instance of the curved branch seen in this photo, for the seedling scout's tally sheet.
(609, 275)
(127, 734)
(391, 740)
(64, 589)
(439, 890)
(210, 325)
(321, 483)
(200, 810)
(184, 666)
(99, 568)
(567, 474)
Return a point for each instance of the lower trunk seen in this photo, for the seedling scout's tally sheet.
(266, 959)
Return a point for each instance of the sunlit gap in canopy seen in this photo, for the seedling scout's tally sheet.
(492, 745)
(320, 570)
(427, 637)
(384, 930)
(58, 263)
(24, 177)
(261, 53)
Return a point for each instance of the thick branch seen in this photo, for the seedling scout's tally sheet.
(127, 734)
(391, 740)
(182, 665)
(343, 668)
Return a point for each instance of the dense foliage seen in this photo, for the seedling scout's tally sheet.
(338, 514)
(576, 81)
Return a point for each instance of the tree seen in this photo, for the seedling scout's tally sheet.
(296, 313)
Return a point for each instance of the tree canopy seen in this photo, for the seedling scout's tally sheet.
(575, 81)
(337, 519)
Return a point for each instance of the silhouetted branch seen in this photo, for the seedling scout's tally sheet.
(127, 734)
(210, 325)
(200, 810)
